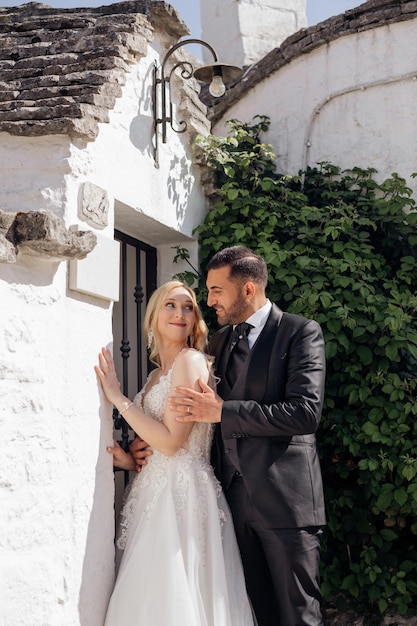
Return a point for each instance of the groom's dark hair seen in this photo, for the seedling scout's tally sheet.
(243, 262)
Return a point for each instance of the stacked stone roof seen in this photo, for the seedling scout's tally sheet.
(61, 70)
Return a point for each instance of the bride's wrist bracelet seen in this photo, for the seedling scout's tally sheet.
(129, 406)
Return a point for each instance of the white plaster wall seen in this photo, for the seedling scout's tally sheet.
(32, 173)
(243, 31)
(351, 102)
(121, 161)
(56, 486)
(56, 479)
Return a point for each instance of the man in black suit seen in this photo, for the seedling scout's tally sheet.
(264, 450)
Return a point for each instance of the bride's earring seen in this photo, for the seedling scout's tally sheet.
(150, 338)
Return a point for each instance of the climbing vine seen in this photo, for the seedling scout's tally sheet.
(341, 248)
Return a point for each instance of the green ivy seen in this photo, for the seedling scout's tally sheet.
(341, 248)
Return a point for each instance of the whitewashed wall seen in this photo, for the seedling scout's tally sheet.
(56, 478)
(243, 31)
(56, 482)
(351, 102)
(122, 154)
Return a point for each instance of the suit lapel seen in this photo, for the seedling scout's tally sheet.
(248, 384)
(219, 346)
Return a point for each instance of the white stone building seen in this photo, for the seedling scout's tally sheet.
(342, 91)
(77, 156)
(81, 195)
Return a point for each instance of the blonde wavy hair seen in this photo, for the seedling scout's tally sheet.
(200, 330)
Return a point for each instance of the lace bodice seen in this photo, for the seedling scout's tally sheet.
(153, 403)
(193, 457)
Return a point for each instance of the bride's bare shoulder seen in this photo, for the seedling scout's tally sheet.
(192, 362)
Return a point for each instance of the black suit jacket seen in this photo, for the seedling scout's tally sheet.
(270, 417)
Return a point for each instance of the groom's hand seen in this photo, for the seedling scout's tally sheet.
(197, 406)
(139, 450)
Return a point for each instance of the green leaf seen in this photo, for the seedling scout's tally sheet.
(409, 472)
(331, 349)
(413, 350)
(374, 593)
(373, 465)
(391, 351)
(384, 500)
(302, 261)
(232, 194)
(365, 354)
(334, 325)
(370, 429)
(388, 535)
(343, 340)
(325, 299)
(400, 496)
(401, 587)
(349, 254)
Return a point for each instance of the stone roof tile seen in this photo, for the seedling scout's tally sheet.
(62, 69)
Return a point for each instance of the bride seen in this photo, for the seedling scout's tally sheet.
(180, 564)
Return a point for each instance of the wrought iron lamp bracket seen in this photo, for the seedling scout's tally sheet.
(162, 101)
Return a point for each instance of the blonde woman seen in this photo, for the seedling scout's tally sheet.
(180, 563)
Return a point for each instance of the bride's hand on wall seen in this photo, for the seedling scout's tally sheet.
(106, 374)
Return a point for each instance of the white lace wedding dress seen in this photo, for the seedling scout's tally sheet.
(181, 565)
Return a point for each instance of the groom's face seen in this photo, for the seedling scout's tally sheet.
(227, 297)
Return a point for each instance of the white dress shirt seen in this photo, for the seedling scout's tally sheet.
(258, 321)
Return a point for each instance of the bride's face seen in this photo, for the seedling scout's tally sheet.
(176, 317)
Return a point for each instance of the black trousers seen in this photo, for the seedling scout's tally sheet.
(281, 565)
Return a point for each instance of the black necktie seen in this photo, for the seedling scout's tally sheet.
(239, 348)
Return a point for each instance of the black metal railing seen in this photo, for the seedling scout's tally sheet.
(138, 271)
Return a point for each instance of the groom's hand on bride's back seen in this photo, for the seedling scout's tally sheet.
(139, 450)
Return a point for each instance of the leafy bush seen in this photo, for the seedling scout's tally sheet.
(341, 248)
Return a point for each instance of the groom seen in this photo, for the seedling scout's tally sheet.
(264, 450)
